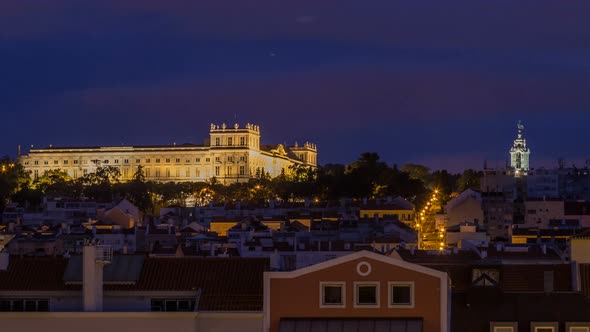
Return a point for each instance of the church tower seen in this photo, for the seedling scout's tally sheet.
(519, 154)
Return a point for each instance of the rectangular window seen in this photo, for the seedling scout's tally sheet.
(242, 158)
(230, 159)
(207, 160)
(217, 170)
(332, 295)
(230, 141)
(579, 329)
(55, 162)
(116, 161)
(188, 161)
(75, 162)
(45, 162)
(65, 162)
(173, 305)
(75, 176)
(167, 160)
(147, 173)
(198, 160)
(177, 172)
(544, 326)
(242, 140)
(198, 173)
(503, 329)
(126, 161)
(187, 173)
(157, 161)
(217, 141)
(36, 162)
(147, 161)
(138, 161)
(36, 172)
(22, 305)
(177, 160)
(167, 172)
(218, 159)
(228, 173)
(401, 294)
(544, 329)
(366, 294)
(242, 170)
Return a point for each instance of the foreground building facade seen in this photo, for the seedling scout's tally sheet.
(230, 154)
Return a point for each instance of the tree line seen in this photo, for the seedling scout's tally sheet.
(367, 177)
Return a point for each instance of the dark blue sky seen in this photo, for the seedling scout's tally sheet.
(436, 82)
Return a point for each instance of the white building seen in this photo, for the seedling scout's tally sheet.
(519, 154)
(231, 154)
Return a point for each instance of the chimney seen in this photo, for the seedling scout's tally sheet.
(4, 260)
(94, 258)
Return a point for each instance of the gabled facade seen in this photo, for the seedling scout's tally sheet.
(363, 291)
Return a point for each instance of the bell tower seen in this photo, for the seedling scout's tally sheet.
(519, 154)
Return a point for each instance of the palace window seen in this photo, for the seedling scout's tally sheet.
(147, 173)
(157, 161)
(585, 327)
(242, 158)
(75, 174)
(230, 141)
(177, 172)
(22, 305)
(503, 326)
(544, 326)
(137, 161)
(36, 172)
(173, 305)
(366, 294)
(242, 170)
(230, 159)
(45, 162)
(242, 140)
(125, 161)
(116, 161)
(36, 162)
(55, 162)
(167, 172)
(147, 161)
(401, 294)
(217, 170)
(218, 159)
(207, 160)
(75, 162)
(65, 162)
(228, 173)
(157, 172)
(332, 294)
(167, 160)
(187, 173)
(177, 160)
(217, 141)
(198, 160)
(198, 173)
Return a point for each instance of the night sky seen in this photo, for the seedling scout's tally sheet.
(441, 83)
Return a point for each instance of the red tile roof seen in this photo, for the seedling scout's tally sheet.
(226, 283)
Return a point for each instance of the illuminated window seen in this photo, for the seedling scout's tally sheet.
(75, 162)
(242, 170)
(207, 160)
(125, 172)
(217, 141)
(167, 172)
(230, 141)
(65, 162)
(167, 160)
(198, 173)
(157, 161)
(366, 294)
(401, 294)
(147, 172)
(242, 140)
(157, 172)
(503, 329)
(544, 326)
(332, 294)
(177, 160)
(36, 176)
(177, 172)
(217, 170)
(583, 327)
(187, 173)
(75, 174)
(198, 160)
(138, 161)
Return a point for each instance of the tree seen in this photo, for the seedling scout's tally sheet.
(468, 180)
(13, 178)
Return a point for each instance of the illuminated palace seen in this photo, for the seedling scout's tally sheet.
(231, 154)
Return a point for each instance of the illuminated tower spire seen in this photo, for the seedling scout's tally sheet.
(519, 154)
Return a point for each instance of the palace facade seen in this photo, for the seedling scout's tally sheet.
(231, 154)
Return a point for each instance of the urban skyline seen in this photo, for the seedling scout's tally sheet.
(447, 96)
